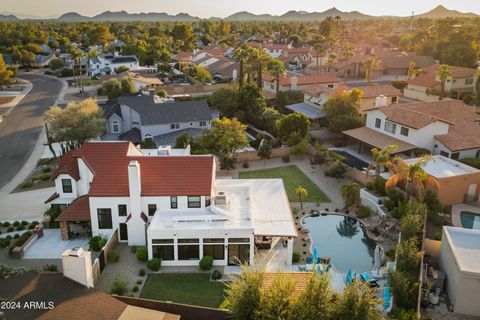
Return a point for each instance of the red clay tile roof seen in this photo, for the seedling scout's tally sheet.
(78, 210)
(315, 90)
(52, 197)
(68, 165)
(464, 127)
(160, 176)
(305, 79)
(374, 91)
(428, 78)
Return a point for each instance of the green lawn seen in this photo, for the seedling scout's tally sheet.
(292, 177)
(187, 288)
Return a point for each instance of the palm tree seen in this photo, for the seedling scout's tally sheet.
(443, 73)
(348, 51)
(331, 61)
(368, 66)
(77, 55)
(242, 53)
(381, 158)
(412, 70)
(258, 60)
(350, 192)
(320, 50)
(302, 194)
(276, 68)
(411, 177)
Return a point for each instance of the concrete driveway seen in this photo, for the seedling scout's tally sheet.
(21, 129)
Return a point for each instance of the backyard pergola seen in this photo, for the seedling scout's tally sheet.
(75, 219)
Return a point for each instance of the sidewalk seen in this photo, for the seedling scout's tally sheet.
(10, 105)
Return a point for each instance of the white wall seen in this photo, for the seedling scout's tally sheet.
(159, 129)
(470, 153)
(59, 189)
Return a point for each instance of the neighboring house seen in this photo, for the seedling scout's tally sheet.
(141, 81)
(42, 61)
(53, 296)
(275, 51)
(109, 63)
(459, 259)
(174, 205)
(398, 65)
(138, 117)
(299, 82)
(449, 128)
(427, 86)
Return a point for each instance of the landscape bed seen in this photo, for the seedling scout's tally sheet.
(292, 177)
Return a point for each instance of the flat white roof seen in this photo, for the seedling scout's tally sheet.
(465, 245)
(258, 204)
(442, 167)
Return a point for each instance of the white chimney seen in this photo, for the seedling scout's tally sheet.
(77, 265)
(381, 101)
(293, 83)
(134, 180)
(136, 224)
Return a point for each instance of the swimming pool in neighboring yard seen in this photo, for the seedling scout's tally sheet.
(353, 161)
(343, 240)
(470, 220)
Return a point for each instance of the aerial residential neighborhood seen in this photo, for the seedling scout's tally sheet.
(247, 161)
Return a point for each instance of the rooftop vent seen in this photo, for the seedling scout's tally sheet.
(221, 198)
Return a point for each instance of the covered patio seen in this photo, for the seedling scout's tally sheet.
(75, 220)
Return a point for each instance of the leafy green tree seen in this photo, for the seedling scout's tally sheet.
(202, 74)
(183, 141)
(127, 85)
(408, 256)
(276, 68)
(443, 73)
(111, 88)
(410, 226)
(350, 192)
(252, 102)
(226, 101)
(265, 149)
(341, 111)
(56, 64)
(276, 301)
(242, 295)
(357, 302)
(462, 55)
(122, 69)
(268, 120)
(300, 148)
(433, 204)
(404, 290)
(75, 124)
(315, 301)
(292, 128)
(5, 74)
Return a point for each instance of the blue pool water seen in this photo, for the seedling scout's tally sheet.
(343, 240)
(470, 220)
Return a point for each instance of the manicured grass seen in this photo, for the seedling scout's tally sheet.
(292, 177)
(188, 288)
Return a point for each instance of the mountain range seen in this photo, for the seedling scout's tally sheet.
(438, 12)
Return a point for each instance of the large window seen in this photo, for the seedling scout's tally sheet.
(194, 202)
(214, 247)
(152, 208)
(173, 202)
(404, 131)
(469, 81)
(203, 123)
(104, 218)
(456, 155)
(175, 126)
(378, 123)
(115, 127)
(122, 210)
(163, 249)
(67, 185)
(390, 127)
(445, 154)
(188, 249)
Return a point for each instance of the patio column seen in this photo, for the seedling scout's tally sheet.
(289, 251)
(64, 230)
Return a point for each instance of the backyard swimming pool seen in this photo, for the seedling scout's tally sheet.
(470, 220)
(343, 240)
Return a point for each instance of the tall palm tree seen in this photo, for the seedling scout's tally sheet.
(348, 51)
(258, 60)
(276, 68)
(320, 50)
(77, 55)
(412, 70)
(330, 61)
(411, 177)
(242, 53)
(350, 192)
(302, 194)
(368, 66)
(381, 158)
(443, 73)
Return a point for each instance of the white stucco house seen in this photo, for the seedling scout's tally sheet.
(174, 205)
(109, 63)
(138, 117)
(449, 128)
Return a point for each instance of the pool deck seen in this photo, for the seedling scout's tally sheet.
(458, 208)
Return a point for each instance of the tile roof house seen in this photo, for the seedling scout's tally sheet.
(109, 63)
(398, 65)
(426, 86)
(449, 128)
(62, 298)
(298, 82)
(174, 205)
(140, 116)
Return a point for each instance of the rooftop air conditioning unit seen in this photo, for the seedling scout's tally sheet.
(221, 198)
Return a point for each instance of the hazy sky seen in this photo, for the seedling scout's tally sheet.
(222, 8)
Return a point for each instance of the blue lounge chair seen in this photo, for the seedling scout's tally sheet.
(309, 260)
(387, 299)
(349, 277)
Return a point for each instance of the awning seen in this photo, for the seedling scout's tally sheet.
(78, 210)
(377, 139)
(311, 111)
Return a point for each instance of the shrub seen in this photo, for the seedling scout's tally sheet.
(364, 212)
(399, 84)
(336, 170)
(337, 156)
(44, 161)
(65, 73)
(154, 264)
(50, 267)
(135, 288)
(141, 272)
(391, 254)
(396, 195)
(401, 210)
(434, 205)
(408, 256)
(4, 242)
(20, 228)
(46, 169)
(139, 281)
(16, 236)
(320, 157)
(133, 249)
(27, 184)
(286, 159)
(438, 235)
(96, 243)
(16, 223)
(370, 186)
(389, 204)
(246, 165)
(142, 254)
(119, 286)
(24, 223)
(113, 256)
(206, 263)
(410, 225)
(379, 186)
(6, 224)
(10, 229)
(404, 290)
(216, 275)
(473, 162)
(42, 176)
(296, 257)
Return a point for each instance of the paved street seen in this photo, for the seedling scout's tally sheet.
(20, 131)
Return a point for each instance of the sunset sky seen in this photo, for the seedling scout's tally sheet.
(223, 8)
